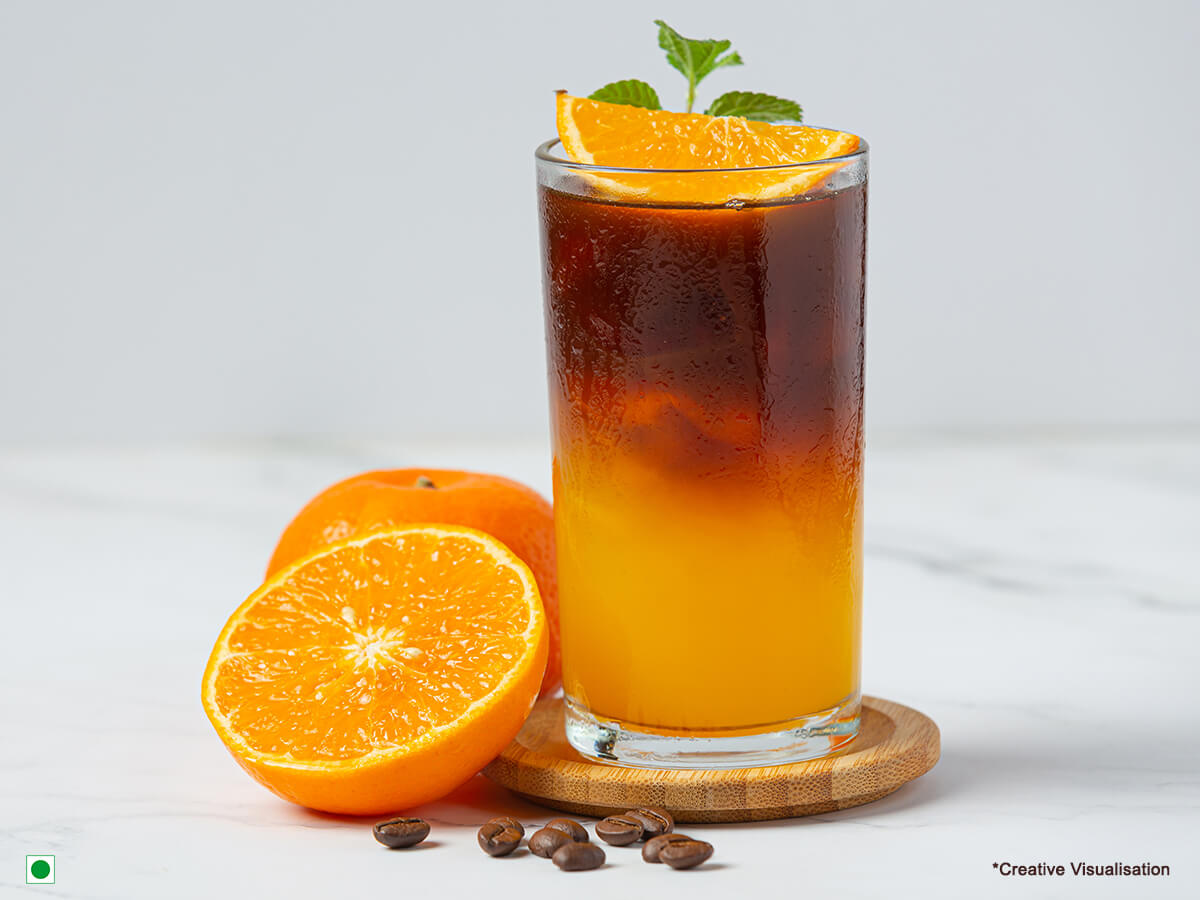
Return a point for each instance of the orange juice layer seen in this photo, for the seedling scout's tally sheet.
(694, 605)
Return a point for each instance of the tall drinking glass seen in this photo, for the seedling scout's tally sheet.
(706, 399)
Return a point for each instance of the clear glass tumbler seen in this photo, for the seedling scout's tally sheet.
(706, 394)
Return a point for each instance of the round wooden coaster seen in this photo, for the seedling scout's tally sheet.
(895, 744)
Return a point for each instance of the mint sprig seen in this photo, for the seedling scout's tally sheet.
(630, 92)
(696, 60)
(761, 107)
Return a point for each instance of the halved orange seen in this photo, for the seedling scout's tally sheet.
(381, 672)
(612, 134)
(517, 515)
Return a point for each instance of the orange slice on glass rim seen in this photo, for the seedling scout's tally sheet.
(381, 672)
(615, 135)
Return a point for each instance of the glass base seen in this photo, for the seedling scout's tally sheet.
(626, 744)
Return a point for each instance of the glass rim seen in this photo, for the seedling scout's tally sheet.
(543, 154)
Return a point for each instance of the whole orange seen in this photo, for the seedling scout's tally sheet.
(517, 515)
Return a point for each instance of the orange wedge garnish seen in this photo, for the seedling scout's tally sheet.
(611, 134)
(381, 672)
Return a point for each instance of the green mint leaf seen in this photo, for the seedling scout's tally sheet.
(695, 59)
(732, 59)
(760, 107)
(630, 92)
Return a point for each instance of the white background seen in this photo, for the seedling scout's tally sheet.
(318, 218)
(248, 221)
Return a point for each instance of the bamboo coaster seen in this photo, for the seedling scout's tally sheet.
(895, 744)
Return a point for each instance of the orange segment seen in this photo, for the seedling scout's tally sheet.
(381, 672)
(611, 134)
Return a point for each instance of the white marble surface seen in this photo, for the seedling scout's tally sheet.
(1039, 597)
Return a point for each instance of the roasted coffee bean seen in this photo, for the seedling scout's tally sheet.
(498, 839)
(576, 857)
(654, 821)
(508, 822)
(685, 854)
(619, 830)
(570, 828)
(653, 848)
(402, 832)
(546, 840)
